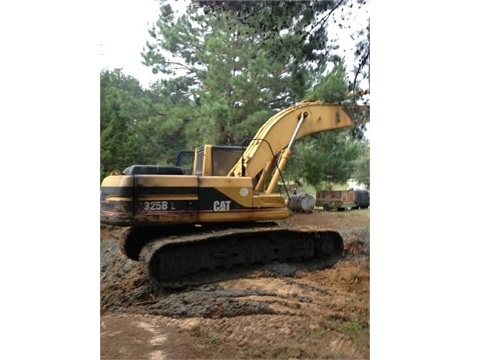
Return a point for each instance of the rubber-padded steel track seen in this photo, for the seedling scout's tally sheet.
(177, 257)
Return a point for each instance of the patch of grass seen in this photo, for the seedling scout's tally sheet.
(316, 333)
(251, 352)
(354, 327)
(358, 331)
(219, 348)
(353, 277)
(214, 344)
(210, 342)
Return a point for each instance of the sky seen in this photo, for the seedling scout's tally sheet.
(123, 35)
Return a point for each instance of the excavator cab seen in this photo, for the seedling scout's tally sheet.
(185, 160)
(215, 160)
(209, 160)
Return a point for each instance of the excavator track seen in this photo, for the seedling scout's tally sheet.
(182, 260)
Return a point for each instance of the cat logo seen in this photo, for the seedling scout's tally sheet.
(221, 205)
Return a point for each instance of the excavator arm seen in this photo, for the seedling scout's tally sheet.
(278, 134)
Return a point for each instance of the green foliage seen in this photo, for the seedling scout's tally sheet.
(333, 87)
(297, 30)
(244, 60)
(293, 31)
(163, 133)
(361, 165)
(121, 107)
(141, 126)
(326, 158)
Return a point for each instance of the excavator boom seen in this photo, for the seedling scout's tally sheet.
(282, 129)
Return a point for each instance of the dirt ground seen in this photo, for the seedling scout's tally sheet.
(279, 310)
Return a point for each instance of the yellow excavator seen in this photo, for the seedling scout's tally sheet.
(225, 210)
